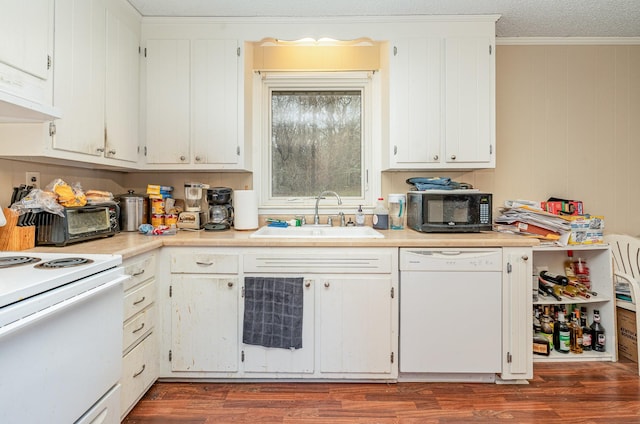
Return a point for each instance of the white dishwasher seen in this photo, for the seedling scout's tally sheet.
(450, 314)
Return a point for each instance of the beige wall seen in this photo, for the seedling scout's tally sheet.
(568, 125)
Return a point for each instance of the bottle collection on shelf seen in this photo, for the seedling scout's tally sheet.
(553, 329)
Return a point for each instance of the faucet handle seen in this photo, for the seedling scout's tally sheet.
(342, 221)
(330, 220)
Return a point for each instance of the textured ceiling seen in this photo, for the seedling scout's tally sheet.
(520, 18)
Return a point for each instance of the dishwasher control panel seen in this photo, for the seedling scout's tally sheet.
(451, 259)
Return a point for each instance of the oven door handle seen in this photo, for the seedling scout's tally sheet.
(50, 311)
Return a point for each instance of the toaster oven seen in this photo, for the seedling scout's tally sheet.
(77, 224)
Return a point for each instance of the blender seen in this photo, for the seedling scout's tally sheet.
(193, 217)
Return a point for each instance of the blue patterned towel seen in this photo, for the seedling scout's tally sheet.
(273, 312)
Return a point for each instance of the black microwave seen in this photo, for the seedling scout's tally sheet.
(449, 211)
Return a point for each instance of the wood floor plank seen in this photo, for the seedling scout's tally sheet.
(590, 392)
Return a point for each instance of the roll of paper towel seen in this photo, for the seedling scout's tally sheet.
(245, 210)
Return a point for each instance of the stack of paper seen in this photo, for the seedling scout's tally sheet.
(533, 221)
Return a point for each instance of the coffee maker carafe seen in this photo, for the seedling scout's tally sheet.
(220, 207)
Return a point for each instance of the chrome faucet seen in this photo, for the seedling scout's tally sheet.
(316, 217)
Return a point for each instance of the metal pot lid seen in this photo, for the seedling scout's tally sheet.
(131, 193)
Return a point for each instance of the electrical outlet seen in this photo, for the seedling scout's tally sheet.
(33, 179)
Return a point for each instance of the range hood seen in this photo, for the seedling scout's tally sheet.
(17, 109)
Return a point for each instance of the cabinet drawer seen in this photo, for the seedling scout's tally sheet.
(139, 372)
(204, 263)
(138, 326)
(140, 269)
(138, 299)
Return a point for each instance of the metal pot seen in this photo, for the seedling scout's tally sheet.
(133, 210)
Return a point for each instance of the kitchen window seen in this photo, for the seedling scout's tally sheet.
(316, 135)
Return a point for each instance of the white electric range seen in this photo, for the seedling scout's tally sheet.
(61, 334)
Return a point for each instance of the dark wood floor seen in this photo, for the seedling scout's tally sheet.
(587, 392)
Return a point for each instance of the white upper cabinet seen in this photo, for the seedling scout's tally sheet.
(26, 36)
(192, 100)
(442, 103)
(96, 81)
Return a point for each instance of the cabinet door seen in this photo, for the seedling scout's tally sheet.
(204, 323)
(79, 83)
(517, 362)
(259, 359)
(167, 101)
(415, 102)
(355, 324)
(469, 105)
(122, 87)
(25, 29)
(215, 101)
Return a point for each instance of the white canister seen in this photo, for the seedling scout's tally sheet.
(245, 210)
(397, 206)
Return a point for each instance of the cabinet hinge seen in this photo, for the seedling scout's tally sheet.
(393, 292)
(52, 129)
(105, 135)
(170, 355)
(145, 150)
(395, 150)
(139, 49)
(490, 149)
(242, 292)
(238, 51)
(48, 61)
(145, 52)
(242, 356)
(170, 291)
(395, 50)
(509, 358)
(509, 268)
(490, 48)
(238, 150)
(392, 357)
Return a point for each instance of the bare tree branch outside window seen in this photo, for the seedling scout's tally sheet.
(316, 142)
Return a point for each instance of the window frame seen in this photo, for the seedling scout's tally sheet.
(369, 86)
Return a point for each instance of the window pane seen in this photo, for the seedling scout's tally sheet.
(316, 143)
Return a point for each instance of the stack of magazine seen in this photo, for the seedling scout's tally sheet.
(527, 218)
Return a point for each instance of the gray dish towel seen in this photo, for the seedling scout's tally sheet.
(273, 312)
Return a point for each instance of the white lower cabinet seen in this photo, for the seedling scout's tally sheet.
(349, 314)
(140, 366)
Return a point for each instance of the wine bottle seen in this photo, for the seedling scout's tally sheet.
(547, 288)
(564, 335)
(586, 330)
(554, 278)
(576, 332)
(598, 338)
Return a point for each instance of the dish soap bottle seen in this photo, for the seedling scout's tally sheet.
(359, 217)
(380, 216)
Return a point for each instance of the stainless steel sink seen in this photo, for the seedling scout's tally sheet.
(316, 231)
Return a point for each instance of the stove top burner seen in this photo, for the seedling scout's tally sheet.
(11, 261)
(63, 263)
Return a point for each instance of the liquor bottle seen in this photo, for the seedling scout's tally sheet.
(586, 330)
(582, 289)
(546, 327)
(573, 291)
(554, 278)
(564, 335)
(598, 338)
(581, 269)
(576, 332)
(568, 267)
(547, 288)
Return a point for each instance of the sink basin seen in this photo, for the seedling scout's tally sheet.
(316, 231)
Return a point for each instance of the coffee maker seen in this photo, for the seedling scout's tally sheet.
(220, 208)
(193, 217)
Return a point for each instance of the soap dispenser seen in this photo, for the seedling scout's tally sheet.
(359, 217)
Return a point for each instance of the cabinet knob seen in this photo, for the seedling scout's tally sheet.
(436, 157)
(183, 158)
(100, 149)
(198, 158)
(525, 257)
(112, 152)
(453, 157)
(327, 284)
(230, 284)
(307, 284)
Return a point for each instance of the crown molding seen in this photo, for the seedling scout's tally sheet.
(525, 41)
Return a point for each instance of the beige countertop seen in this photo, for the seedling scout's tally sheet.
(129, 244)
